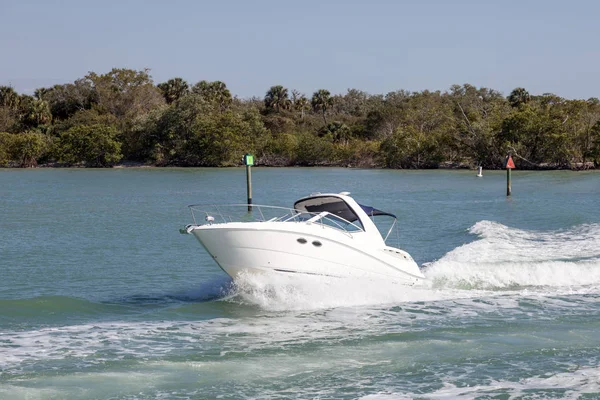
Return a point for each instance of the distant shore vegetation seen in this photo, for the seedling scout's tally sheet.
(123, 117)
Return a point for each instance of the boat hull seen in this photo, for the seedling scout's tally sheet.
(274, 248)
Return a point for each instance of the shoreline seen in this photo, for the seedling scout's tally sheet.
(589, 166)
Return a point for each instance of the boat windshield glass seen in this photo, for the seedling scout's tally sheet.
(339, 211)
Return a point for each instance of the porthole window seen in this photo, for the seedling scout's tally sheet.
(302, 240)
(317, 243)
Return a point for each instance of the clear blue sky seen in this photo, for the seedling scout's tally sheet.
(376, 46)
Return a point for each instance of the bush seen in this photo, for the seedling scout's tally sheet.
(410, 149)
(6, 146)
(215, 140)
(359, 154)
(95, 145)
(278, 150)
(24, 149)
(313, 150)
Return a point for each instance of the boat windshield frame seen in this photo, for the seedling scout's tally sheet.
(225, 213)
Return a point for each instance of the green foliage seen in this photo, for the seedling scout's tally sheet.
(8, 97)
(478, 115)
(337, 132)
(214, 93)
(354, 103)
(128, 96)
(26, 149)
(255, 131)
(300, 103)
(101, 118)
(65, 100)
(215, 140)
(6, 146)
(278, 150)
(125, 93)
(411, 148)
(321, 102)
(594, 152)
(518, 97)
(34, 112)
(361, 154)
(8, 119)
(277, 98)
(278, 123)
(95, 145)
(540, 136)
(84, 117)
(165, 133)
(173, 89)
(313, 150)
(192, 132)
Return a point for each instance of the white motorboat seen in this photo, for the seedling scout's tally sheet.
(324, 234)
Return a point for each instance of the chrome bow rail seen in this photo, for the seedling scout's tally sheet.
(215, 214)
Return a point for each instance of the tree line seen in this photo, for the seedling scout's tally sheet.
(101, 120)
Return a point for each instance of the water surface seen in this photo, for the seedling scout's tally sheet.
(101, 297)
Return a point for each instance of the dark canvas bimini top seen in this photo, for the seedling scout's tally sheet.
(335, 206)
(373, 211)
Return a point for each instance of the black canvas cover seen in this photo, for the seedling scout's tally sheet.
(335, 206)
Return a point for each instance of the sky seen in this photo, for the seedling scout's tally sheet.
(376, 46)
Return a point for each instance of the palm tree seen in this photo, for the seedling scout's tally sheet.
(301, 104)
(214, 92)
(518, 97)
(173, 89)
(8, 97)
(39, 112)
(39, 93)
(341, 133)
(338, 132)
(321, 101)
(277, 98)
(221, 95)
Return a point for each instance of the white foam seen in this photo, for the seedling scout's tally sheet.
(296, 292)
(505, 257)
(573, 384)
(225, 342)
(95, 344)
(566, 261)
(86, 385)
(8, 391)
(298, 310)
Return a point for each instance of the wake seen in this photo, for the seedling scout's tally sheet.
(505, 258)
(500, 260)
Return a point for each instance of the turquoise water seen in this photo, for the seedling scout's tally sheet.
(102, 298)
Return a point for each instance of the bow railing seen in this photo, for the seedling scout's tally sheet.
(224, 213)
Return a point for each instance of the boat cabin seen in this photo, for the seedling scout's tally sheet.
(347, 209)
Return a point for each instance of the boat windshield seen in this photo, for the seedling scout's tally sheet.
(331, 220)
(333, 205)
(336, 206)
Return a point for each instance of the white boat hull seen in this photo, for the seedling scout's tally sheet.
(279, 247)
